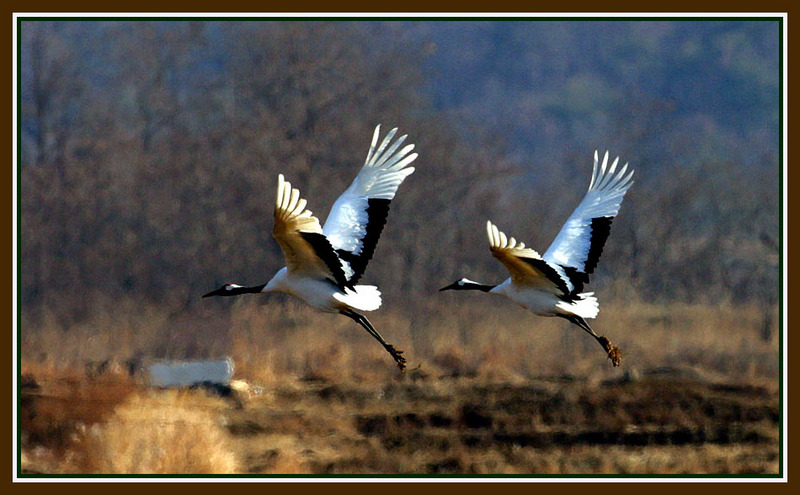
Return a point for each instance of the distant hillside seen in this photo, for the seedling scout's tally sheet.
(698, 89)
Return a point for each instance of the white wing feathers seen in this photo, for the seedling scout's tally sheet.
(499, 241)
(526, 267)
(579, 243)
(383, 172)
(294, 229)
(341, 248)
(290, 209)
(386, 165)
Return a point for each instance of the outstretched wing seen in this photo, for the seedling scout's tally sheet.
(358, 216)
(578, 245)
(526, 267)
(301, 239)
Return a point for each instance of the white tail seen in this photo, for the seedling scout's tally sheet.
(586, 307)
(364, 298)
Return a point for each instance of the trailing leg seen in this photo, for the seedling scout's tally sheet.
(364, 322)
(614, 354)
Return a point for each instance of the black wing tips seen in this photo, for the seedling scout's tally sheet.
(600, 230)
(377, 214)
(575, 277)
(324, 251)
(549, 272)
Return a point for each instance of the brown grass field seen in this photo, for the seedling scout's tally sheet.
(492, 393)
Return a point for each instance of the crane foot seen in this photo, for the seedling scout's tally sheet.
(398, 357)
(614, 354)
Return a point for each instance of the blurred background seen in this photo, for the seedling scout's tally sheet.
(150, 151)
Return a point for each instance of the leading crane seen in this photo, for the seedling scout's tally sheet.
(325, 262)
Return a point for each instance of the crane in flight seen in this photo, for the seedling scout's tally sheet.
(325, 262)
(552, 284)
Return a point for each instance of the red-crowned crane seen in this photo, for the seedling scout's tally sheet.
(324, 263)
(552, 284)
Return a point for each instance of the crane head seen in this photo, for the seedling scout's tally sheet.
(467, 284)
(225, 290)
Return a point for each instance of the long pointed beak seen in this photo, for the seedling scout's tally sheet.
(212, 293)
(449, 287)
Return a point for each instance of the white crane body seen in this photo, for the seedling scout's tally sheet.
(323, 294)
(540, 302)
(324, 263)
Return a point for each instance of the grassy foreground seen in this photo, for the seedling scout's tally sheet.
(486, 393)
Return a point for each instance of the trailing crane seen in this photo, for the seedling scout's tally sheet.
(552, 284)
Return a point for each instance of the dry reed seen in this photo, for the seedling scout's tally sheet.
(163, 433)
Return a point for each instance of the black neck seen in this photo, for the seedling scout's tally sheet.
(476, 286)
(462, 285)
(254, 289)
(227, 291)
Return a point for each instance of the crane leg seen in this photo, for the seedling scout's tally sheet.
(364, 322)
(614, 354)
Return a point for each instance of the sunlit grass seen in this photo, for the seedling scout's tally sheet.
(478, 337)
(314, 375)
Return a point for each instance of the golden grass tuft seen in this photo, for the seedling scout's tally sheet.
(163, 433)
